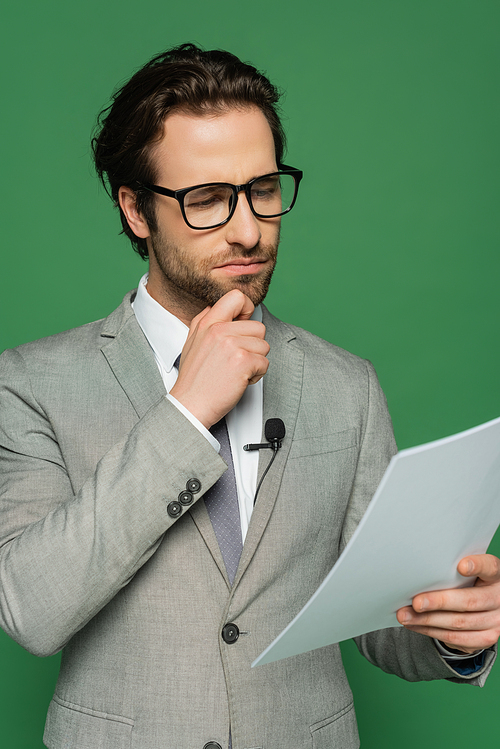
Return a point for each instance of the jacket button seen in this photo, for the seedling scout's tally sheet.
(174, 509)
(212, 745)
(193, 486)
(230, 633)
(185, 498)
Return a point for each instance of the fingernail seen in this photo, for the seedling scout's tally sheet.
(424, 605)
(470, 566)
(406, 617)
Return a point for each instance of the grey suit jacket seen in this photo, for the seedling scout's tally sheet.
(91, 454)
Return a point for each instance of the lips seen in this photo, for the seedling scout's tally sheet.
(241, 266)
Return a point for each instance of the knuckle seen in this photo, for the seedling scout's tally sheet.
(421, 620)
(460, 622)
(234, 354)
(217, 330)
(240, 357)
(496, 566)
(472, 603)
(256, 329)
(489, 639)
(261, 366)
(261, 349)
(492, 638)
(452, 637)
(443, 602)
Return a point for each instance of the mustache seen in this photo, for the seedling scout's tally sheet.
(259, 251)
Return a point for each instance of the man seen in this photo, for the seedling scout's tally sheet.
(127, 539)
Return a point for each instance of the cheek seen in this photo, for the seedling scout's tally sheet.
(271, 232)
(174, 232)
(169, 219)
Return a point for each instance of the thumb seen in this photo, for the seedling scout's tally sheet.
(232, 306)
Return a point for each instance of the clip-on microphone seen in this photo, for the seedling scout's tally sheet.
(274, 431)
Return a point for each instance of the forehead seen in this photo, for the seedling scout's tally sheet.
(233, 146)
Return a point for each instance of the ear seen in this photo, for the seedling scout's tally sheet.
(128, 204)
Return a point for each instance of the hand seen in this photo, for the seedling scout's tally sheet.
(465, 619)
(224, 352)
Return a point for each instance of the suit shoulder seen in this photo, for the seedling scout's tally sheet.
(316, 349)
(62, 342)
(80, 341)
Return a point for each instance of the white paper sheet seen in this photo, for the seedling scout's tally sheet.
(435, 504)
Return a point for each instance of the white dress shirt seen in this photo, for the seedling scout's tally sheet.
(166, 335)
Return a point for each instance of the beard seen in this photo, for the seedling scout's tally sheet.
(187, 283)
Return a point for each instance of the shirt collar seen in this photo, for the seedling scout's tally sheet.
(165, 332)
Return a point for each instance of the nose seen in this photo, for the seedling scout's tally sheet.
(243, 228)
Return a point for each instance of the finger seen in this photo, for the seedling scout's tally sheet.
(469, 641)
(243, 328)
(260, 369)
(231, 306)
(255, 379)
(240, 352)
(449, 620)
(229, 337)
(244, 355)
(453, 631)
(484, 566)
(194, 324)
(246, 315)
(458, 599)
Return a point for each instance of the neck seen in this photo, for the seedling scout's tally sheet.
(178, 304)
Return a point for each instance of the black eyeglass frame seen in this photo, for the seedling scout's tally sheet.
(179, 195)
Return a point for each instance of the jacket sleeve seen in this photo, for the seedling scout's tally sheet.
(65, 554)
(396, 650)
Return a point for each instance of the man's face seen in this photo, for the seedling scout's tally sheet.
(190, 269)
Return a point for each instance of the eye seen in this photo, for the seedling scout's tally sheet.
(207, 198)
(266, 189)
(205, 203)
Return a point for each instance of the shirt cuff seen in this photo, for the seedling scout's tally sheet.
(194, 421)
(450, 655)
(464, 664)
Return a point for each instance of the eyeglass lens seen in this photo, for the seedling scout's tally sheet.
(212, 204)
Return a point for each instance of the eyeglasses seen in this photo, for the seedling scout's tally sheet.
(213, 204)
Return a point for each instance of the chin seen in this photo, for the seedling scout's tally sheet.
(255, 292)
(255, 288)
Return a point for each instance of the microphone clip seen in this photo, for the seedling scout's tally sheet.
(274, 445)
(274, 431)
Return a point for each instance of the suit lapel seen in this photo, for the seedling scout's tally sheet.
(282, 392)
(131, 358)
(200, 515)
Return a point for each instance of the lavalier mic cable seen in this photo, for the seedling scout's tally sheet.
(274, 432)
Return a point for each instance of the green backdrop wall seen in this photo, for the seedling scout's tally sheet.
(392, 112)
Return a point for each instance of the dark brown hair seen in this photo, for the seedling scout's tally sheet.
(184, 78)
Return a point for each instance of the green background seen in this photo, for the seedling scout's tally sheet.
(392, 112)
